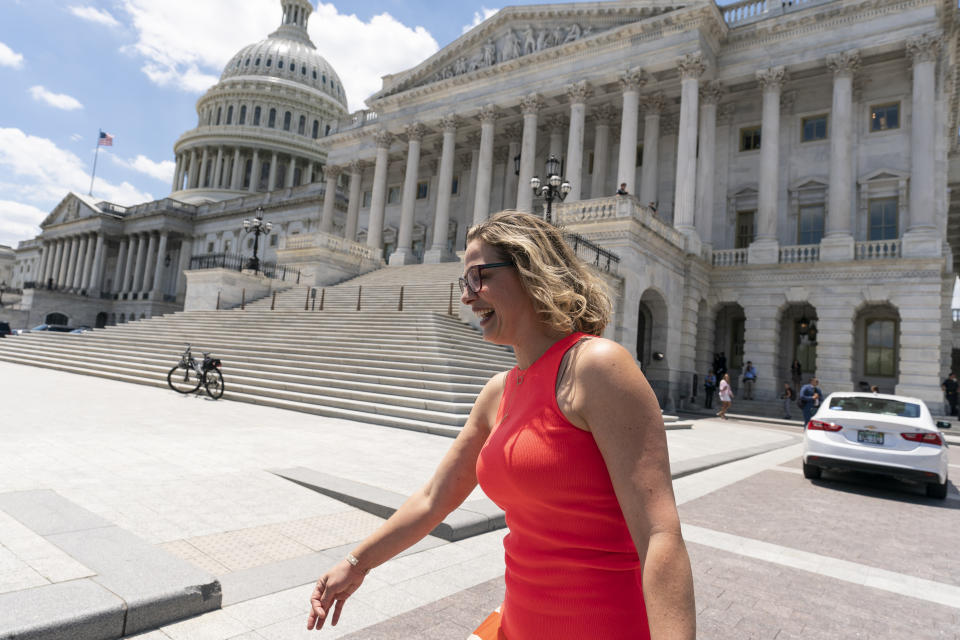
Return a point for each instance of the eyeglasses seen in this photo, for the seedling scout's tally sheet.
(473, 278)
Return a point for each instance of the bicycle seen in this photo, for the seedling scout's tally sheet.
(193, 375)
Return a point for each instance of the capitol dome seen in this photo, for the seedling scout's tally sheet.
(258, 126)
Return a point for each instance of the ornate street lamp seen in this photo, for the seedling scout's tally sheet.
(258, 227)
(553, 187)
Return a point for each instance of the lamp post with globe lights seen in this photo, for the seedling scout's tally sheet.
(258, 227)
(553, 187)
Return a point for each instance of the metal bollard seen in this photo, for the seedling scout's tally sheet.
(218, 301)
(243, 299)
(450, 305)
(359, 294)
(323, 295)
(400, 305)
(306, 303)
(273, 302)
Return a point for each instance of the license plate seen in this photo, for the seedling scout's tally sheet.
(870, 437)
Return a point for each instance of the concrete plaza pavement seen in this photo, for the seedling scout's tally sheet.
(190, 479)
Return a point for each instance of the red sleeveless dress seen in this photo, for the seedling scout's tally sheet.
(572, 571)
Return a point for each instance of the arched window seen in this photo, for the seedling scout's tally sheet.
(327, 131)
(257, 62)
(302, 126)
(219, 113)
(272, 120)
(243, 114)
(314, 74)
(287, 118)
(316, 128)
(303, 70)
(269, 61)
(280, 63)
(256, 117)
(293, 67)
(324, 79)
(230, 114)
(247, 63)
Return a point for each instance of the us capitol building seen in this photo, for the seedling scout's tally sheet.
(789, 166)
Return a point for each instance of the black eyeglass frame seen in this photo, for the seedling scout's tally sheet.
(464, 281)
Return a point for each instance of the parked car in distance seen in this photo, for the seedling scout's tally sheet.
(81, 329)
(885, 434)
(60, 328)
(5, 329)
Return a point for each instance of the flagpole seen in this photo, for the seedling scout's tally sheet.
(95, 154)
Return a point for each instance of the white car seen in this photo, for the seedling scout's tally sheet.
(886, 434)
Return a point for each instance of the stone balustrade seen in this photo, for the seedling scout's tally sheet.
(877, 250)
(321, 240)
(729, 257)
(356, 120)
(800, 253)
(747, 11)
(613, 208)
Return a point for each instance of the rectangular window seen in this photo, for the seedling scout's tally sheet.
(883, 219)
(422, 190)
(227, 246)
(639, 162)
(880, 348)
(745, 229)
(209, 247)
(393, 195)
(810, 224)
(749, 138)
(273, 240)
(455, 185)
(814, 128)
(249, 243)
(885, 116)
(590, 164)
(367, 196)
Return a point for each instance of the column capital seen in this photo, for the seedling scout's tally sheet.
(654, 103)
(357, 167)
(771, 79)
(924, 48)
(415, 132)
(487, 114)
(711, 92)
(633, 79)
(555, 123)
(578, 92)
(726, 111)
(332, 171)
(449, 123)
(383, 138)
(604, 114)
(531, 104)
(845, 63)
(691, 66)
(513, 131)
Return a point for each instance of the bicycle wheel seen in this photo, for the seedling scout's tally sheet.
(183, 380)
(213, 383)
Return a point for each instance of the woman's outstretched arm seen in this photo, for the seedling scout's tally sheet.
(450, 485)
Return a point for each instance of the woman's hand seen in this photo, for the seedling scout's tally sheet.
(335, 586)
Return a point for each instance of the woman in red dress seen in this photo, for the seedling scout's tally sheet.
(570, 443)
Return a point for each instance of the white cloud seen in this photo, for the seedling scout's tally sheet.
(76, 137)
(100, 16)
(185, 44)
(9, 57)
(36, 173)
(56, 100)
(478, 18)
(162, 170)
(19, 221)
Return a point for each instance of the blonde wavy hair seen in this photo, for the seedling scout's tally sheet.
(566, 292)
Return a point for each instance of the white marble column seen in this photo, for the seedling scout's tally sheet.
(530, 106)
(145, 281)
(218, 169)
(513, 133)
(630, 84)
(332, 173)
(84, 263)
(921, 238)
(684, 199)
(308, 173)
(710, 94)
(653, 105)
(69, 264)
(272, 179)
(54, 274)
(291, 172)
(438, 251)
(481, 203)
(193, 171)
(408, 199)
(353, 206)
(176, 173)
(139, 263)
(765, 249)
(94, 279)
(254, 172)
(204, 168)
(130, 265)
(378, 198)
(837, 243)
(44, 262)
(79, 262)
(577, 94)
(603, 117)
(183, 265)
(555, 126)
(156, 292)
(237, 177)
(117, 284)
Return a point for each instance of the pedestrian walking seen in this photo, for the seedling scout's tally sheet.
(726, 396)
(570, 443)
(787, 396)
(810, 398)
(710, 388)
(749, 378)
(949, 387)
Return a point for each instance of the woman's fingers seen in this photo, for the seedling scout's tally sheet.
(338, 609)
(318, 612)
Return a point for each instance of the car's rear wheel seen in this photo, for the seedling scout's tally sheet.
(811, 471)
(936, 490)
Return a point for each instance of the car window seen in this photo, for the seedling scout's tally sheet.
(881, 406)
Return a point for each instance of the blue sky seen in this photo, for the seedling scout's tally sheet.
(135, 68)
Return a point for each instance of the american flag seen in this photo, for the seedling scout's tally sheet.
(106, 139)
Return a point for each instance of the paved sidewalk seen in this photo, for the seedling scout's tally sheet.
(190, 479)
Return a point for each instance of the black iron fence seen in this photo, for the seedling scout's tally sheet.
(237, 262)
(592, 253)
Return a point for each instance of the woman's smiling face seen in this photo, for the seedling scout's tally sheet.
(505, 310)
